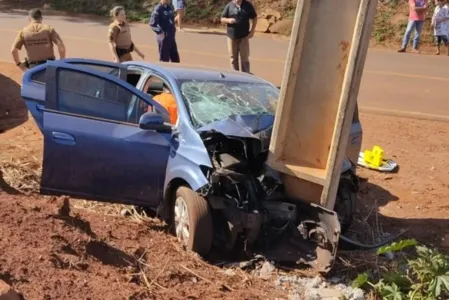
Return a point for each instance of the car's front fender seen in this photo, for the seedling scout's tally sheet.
(191, 174)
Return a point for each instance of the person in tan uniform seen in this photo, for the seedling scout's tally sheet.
(38, 39)
(119, 36)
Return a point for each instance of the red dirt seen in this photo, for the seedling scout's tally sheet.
(47, 253)
(417, 196)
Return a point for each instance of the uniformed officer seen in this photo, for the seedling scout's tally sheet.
(38, 39)
(162, 22)
(119, 36)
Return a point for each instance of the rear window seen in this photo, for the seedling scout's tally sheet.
(39, 77)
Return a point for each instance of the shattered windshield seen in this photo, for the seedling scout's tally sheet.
(210, 101)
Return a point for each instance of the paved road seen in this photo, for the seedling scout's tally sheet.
(391, 81)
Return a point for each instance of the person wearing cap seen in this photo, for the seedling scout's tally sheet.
(119, 36)
(162, 22)
(237, 15)
(38, 39)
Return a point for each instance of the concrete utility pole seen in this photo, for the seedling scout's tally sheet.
(323, 70)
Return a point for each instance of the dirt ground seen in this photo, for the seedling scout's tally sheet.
(51, 251)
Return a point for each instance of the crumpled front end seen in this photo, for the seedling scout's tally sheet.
(251, 210)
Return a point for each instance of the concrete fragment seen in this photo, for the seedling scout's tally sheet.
(315, 283)
(266, 270)
(354, 294)
(7, 293)
(312, 294)
(324, 294)
(335, 280)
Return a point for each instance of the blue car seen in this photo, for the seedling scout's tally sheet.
(206, 175)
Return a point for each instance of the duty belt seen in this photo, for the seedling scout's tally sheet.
(121, 51)
(29, 64)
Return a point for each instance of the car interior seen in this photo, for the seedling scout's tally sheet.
(133, 78)
(153, 87)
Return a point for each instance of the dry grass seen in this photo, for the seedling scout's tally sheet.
(21, 175)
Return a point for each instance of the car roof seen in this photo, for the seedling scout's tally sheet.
(188, 72)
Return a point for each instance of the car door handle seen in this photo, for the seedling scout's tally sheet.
(63, 138)
(40, 107)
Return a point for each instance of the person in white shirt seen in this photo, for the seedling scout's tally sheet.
(440, 24)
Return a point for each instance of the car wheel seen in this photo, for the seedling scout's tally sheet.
(345, 204)
(192, 221)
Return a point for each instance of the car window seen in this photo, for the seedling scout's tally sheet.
(210, 101)
(91, 96)
(105, 69)
(39, 77)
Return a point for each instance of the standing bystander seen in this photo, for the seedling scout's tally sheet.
(440, 20)
(119, 36)
(237, 15)
(162, 22)
(38, 39)
(180, 6)
(417, 13)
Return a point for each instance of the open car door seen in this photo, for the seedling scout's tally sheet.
(34, 87)
(93, 145)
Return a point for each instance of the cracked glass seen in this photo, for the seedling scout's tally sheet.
(210, 101)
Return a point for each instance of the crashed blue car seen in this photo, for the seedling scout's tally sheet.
(205, 175)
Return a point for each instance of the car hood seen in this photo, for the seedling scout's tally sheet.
(244, 126)
(258, 127)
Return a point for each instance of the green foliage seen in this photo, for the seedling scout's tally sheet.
(397, 246)
(383, 30)
(360, 280)
(427, 277)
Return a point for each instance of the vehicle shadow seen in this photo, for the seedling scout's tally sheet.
(13, 111)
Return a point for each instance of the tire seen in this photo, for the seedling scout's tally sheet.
(345, 204)
(199, 217)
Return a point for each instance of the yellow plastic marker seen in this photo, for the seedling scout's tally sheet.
(374, 157)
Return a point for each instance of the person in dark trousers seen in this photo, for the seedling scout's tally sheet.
(162, 22)
(237, 15)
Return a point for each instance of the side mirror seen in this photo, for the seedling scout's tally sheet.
(153, 121)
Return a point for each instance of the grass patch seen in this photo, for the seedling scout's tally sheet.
(420, 274)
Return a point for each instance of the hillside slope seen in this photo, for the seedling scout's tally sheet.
(390, 22)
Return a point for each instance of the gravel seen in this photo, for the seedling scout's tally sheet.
(317, 288)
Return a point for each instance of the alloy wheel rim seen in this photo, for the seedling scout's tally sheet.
(182, 221)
